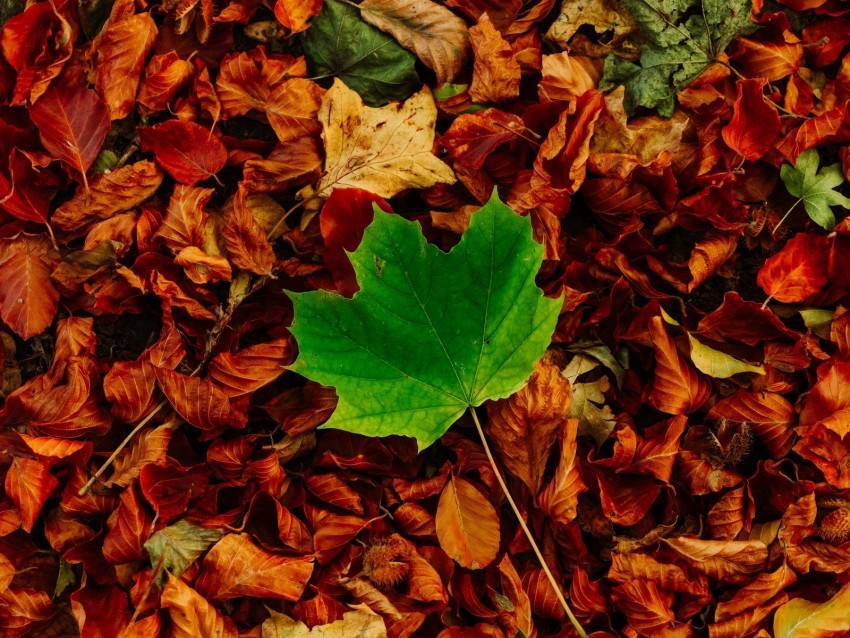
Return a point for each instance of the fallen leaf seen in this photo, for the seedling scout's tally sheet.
(187, 151)
(496, 74)
(380, 150)
(798, 271)
(432, 32)
(360, 623)
(467, 525)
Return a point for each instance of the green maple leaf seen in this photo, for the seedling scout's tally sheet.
(815, 188)
(429, 333)
(340, 43)
(683, 38)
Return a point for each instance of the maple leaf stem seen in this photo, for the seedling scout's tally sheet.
(555, 586)
(784, 217)
(85, 488)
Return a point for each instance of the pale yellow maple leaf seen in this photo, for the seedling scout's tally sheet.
(358, 623)
(383, 150)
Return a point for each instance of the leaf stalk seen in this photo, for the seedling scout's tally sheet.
(555, 586)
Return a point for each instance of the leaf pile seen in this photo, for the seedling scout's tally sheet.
(204, 204)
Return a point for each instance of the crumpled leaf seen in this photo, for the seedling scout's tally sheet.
(435, 34)
(192, 615)
(684, 38)
(340, 43)
(380, 150)
(587, 402)
(474, 340)
(815, 188)
(497, 74)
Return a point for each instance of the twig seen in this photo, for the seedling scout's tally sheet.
(573, 620)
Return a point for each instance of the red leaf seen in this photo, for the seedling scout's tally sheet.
(187, 151)
(755, 127)
(72, 123)
(344, 217)
(473, 137)
(798, 271)
(129, 527)
(236, 567)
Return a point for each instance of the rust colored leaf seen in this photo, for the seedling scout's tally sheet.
(678, 388)
(236, 567)
(721, 559)
(473, 137)
(187, 151)
(467, 524)
(523, 428)
(28, 298)
(294, 14)
(798, 271)
(72, 123)
(29, 484)
(199, 401)
(560, 497)
(755, 127)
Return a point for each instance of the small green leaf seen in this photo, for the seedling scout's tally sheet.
(815, 187)
(176, 547)
(65, 578)
(684, 37)
(340, 43)
(429, 333)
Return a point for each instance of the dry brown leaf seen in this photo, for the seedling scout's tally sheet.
(383, 150)
(602, 15)
(435, 34)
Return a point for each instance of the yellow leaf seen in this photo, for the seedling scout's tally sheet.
(383, 150)
(800, 618)
(718, 364)
(359, 623)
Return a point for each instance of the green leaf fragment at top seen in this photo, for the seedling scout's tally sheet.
(429, 333)
(683, 38)
(815, 188)
(339, 43)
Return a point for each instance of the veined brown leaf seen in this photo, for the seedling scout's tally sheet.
(467, 524)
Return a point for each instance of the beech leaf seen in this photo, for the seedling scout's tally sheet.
(815, 188)
(384, 150)
(801, 618)
(340, 43)
(435, 34)
(429, 333)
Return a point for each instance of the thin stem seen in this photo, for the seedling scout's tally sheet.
(573, 620)
(85, 488)
(785, 216)
(283, 217)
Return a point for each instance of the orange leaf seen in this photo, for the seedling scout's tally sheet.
(248, 370)
(192, 615)
(236, 567)
(769, 415)
(28, 299)
(798, 271)
(22, 609)
(29, 484)
(647, 610)
(523, 427)
(294, 14)
(165, 74)
(721, 559)
(678, 388)
(560, 498)
(467, 524)
(119, 52)
(293, 109)
(129, 528)
(496, 74)
(755, 126)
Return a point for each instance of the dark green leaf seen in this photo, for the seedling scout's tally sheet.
(340, 43)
